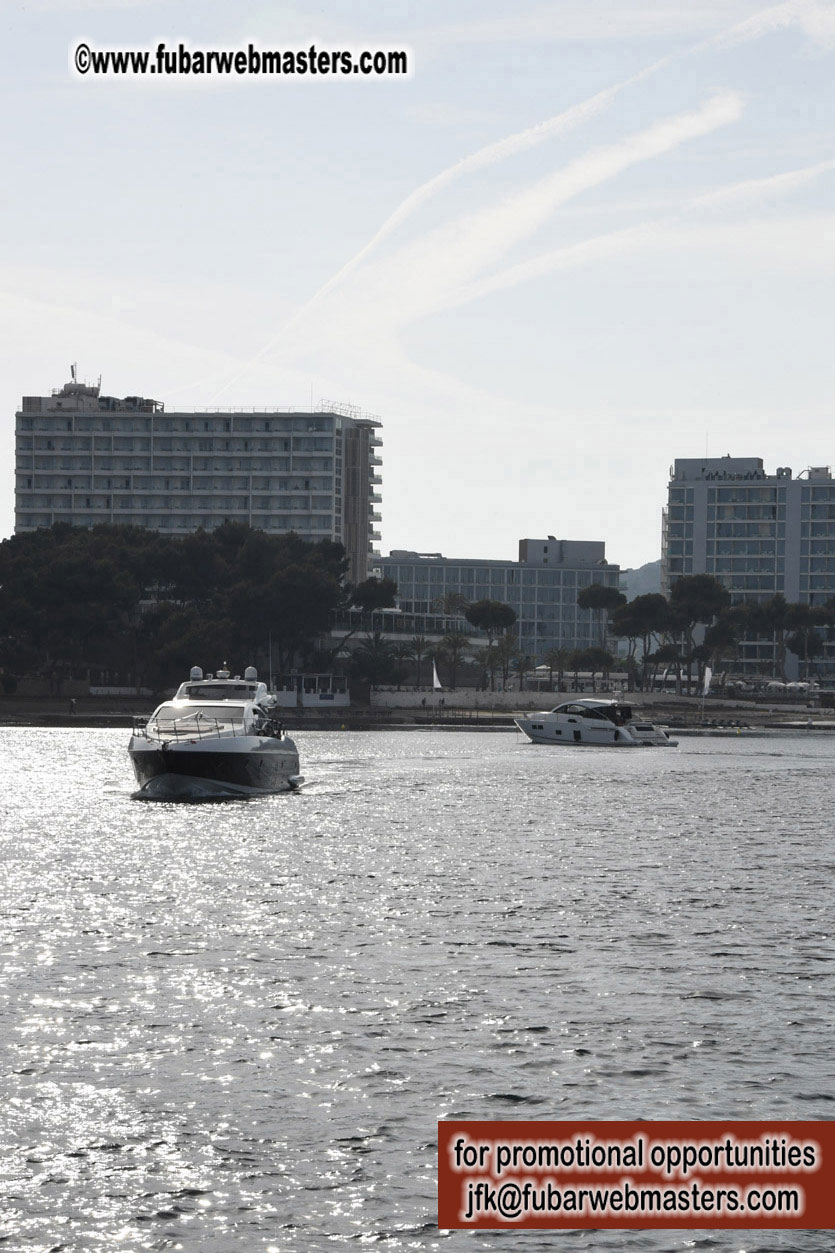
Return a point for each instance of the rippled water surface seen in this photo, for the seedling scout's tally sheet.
(233, 1027)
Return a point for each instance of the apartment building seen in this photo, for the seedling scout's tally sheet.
(757, 533)
(85, 458)
(542, 587)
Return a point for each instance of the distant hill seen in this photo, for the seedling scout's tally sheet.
(641, 580)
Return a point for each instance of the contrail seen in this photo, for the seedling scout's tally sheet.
(762, 23)
(615, 243)
(818, 21)
(511, 145)
(754, 188)
(815, 19)
(464, 246)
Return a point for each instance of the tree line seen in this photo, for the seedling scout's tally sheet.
(146, 607)
(382, 661)
(661, 632)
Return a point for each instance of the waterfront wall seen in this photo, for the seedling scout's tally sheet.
(468, 698)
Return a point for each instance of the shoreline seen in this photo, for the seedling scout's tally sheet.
(733, 724)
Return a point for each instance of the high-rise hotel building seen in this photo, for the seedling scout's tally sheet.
(85, 458)
(757, 533)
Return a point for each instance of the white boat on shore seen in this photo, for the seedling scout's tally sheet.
(218, 738)
(605, 723)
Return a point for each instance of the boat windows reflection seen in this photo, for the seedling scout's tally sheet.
(205, 720)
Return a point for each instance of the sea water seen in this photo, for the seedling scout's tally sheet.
(233, 1027)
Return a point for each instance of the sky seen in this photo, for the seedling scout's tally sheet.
(580, 239)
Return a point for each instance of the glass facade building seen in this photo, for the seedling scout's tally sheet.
(759, 534)
(542, 588)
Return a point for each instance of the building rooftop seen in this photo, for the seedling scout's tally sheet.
(532, 552)
(690, 469)
(79, 397)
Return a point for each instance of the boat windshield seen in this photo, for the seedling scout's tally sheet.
(183, 719)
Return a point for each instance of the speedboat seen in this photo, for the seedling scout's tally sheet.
(218, 738)
(604, 722)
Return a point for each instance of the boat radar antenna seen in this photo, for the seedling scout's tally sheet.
(73, 368)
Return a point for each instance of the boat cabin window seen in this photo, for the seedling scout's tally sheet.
(619, 714)
(219, 691)
(584, 711)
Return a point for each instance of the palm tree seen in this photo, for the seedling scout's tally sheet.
(594, 659)
(804, 641)
(774, 616)
(573, 663)
(374, 659)
(522, 663)
(485, 660)
(453, 646)
(556, 659)
(505, 650)
(419, 647)
(403, 654)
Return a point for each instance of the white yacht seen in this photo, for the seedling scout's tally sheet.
(587, 721)
(218, 738)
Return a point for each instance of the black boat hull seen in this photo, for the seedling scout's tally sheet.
(244, 766)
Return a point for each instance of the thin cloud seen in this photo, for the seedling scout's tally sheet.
(510, 146)
(815, 19)
(754, 189)
(810, 242)
(500, 150)
(601, 248)
(483, 158)
(473, 241)
(659, 232)
(811, 15)
(426, 275)
(85, 6)
(589, 19)
(442, 268)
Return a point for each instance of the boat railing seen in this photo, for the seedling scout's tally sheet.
(189, 727)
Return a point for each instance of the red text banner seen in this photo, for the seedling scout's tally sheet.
(504, 1175)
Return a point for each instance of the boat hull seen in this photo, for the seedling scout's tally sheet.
(543, 730)
(214, 769)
